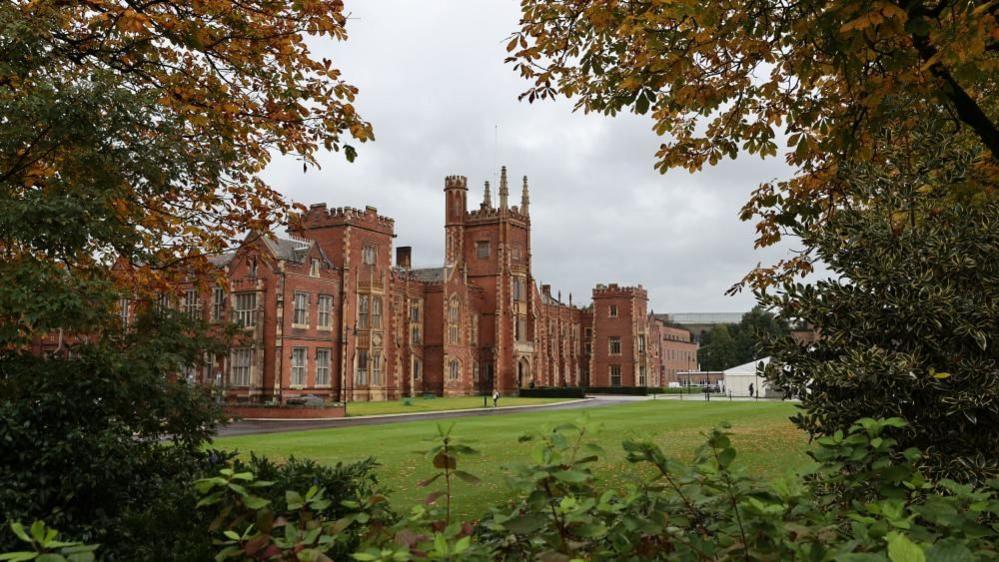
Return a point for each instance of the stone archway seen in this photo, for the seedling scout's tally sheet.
(523, 372)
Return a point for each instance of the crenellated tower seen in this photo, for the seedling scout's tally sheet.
(455, 207)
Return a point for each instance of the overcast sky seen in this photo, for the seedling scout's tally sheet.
(433, 84)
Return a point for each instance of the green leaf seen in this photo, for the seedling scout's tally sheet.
(901, 549)
(573, 476)
(950, 550)
(18, 556)
(470, 478)
(526, 523)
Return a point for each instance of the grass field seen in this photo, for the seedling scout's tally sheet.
(417, 405)
(767, 442)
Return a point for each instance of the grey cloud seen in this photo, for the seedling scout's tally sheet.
(434, 85)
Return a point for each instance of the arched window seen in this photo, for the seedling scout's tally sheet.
(453, 370)
(453, 315)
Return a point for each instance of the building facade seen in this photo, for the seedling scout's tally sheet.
(326, 312)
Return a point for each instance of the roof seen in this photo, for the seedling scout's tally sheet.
(746, 368)
(428, 274)
(702, 317)
(221, 260)
(289, 249)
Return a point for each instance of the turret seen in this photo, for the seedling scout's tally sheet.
(487, 198)
(504, 189)
(455, 197)
(525, 199)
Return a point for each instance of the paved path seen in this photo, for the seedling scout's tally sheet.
(251, 427)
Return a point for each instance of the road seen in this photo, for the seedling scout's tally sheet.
(251, 427)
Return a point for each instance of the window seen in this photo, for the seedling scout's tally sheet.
(520, 329)
(588, 333)
(641, 376)
(368, 255)
(218, 304)
(301, 314)
(322, 367)
(453, 314)
(314, 268)
(192, 304)
(615, 375)
(475, 373)
(641, 343)
(123, 305)
(376, 312)
(246, 309)
(416, 327)
(414, 311)
(299, 364)
(518, 289)
(615, 345)
(415, 335)
(362, 366)
(253, 268)
(612, 312)
(242, 366)
(482, 249)
(376, 368)
(588, 348)
(324, 311)
(362, 312)
(516, 252)
(473, 335)
(453, 370)
(417, 368)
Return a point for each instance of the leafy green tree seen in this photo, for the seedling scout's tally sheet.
(728, 345)
(131, 139)
(718, 350)
(907, 324)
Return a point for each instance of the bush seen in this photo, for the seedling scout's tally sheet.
(863, 500)
(907, 326)
(554, 392)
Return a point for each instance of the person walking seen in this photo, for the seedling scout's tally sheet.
(496, 397)
(750, 390)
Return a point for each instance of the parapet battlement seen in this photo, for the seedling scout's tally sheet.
(615, 290)
(318, 216)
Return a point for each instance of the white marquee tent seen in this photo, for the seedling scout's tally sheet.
(738, 379)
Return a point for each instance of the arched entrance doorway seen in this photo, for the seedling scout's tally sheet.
(523, 372)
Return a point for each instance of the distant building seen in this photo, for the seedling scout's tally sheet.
(700, 323)
(679, 353)
(325, 312)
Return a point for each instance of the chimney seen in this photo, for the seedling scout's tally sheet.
(546, 290)
(404, 257)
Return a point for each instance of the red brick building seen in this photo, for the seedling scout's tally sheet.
(326, 312)
(679, 354)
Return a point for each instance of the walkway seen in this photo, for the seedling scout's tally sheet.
(251, 427)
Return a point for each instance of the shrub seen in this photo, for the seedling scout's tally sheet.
(554, 392)
(864, 499)
(907, 326)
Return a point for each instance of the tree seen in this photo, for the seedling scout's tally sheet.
(907, 326)
(722, 77)
(728, 345)
(132, 134)
(717, 351)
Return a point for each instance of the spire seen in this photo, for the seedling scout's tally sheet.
(504, 190)
(525, 199)
(487, 198)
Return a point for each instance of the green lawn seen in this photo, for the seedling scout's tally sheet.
(436, 404)
(767, 442)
